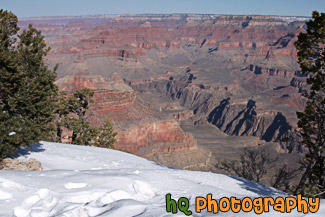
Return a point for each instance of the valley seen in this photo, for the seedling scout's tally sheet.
(184, 90)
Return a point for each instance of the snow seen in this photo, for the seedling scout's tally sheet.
(290, 19)
(71, 185)
(85, 181)
(5, 195)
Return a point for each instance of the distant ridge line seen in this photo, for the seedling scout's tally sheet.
(207, 16)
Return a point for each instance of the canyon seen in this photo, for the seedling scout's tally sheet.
(184, 90)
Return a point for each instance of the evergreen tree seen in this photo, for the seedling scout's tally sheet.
(80, 101)
(62, 111)
(27, 89)
(82, 132)
(311, 57)
(106, 137)
(77, 106)
(72, 114)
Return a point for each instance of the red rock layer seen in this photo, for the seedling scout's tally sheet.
(162, 136)
(128, 36)
(139, 131)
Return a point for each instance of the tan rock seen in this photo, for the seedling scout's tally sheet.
(34, 165)
(13, 164)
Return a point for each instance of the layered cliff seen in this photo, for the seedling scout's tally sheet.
(240, 117)
(240, 38)
(163, 78)
(140, 127)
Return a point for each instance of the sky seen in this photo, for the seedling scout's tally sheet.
(35, 8)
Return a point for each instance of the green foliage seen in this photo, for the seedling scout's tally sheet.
(106, 137)
(82, 132)
(311, 57)
(70, 108)
(29, 99)
(79, 102)
(62, 110)
(310, 46)
(72, 114)
(27, 89)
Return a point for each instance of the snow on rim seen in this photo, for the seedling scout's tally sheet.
(80, 181)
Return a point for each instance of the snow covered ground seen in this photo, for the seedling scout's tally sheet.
(86, 181)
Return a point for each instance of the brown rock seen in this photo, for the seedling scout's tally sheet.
(139, 130)
(33, 165)
(13, 164)
(163, 136)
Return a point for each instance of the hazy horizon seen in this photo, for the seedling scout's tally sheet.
(59, 8)
(98, 15)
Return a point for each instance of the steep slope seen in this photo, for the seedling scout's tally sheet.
(141, 128)
(234, 75)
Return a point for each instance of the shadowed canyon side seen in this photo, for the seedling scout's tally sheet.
(167, 80)
(141, 128)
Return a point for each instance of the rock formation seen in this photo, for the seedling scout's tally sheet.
(163, 78)
(14, 164)
(141, 128)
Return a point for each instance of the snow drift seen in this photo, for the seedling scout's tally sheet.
(86, 181)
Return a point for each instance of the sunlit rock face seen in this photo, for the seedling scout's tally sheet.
(166, 80)
(139, 128)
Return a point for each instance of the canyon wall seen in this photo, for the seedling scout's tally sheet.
(140, 129)
(160, 78)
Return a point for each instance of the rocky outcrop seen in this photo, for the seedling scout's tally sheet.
(139, 129)
(182, 115)
(243, 120)
(111, 94)
(14, 164)
(147, 139)
(234, 117)
(258, 70)
(179, 88)
(298, 82)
